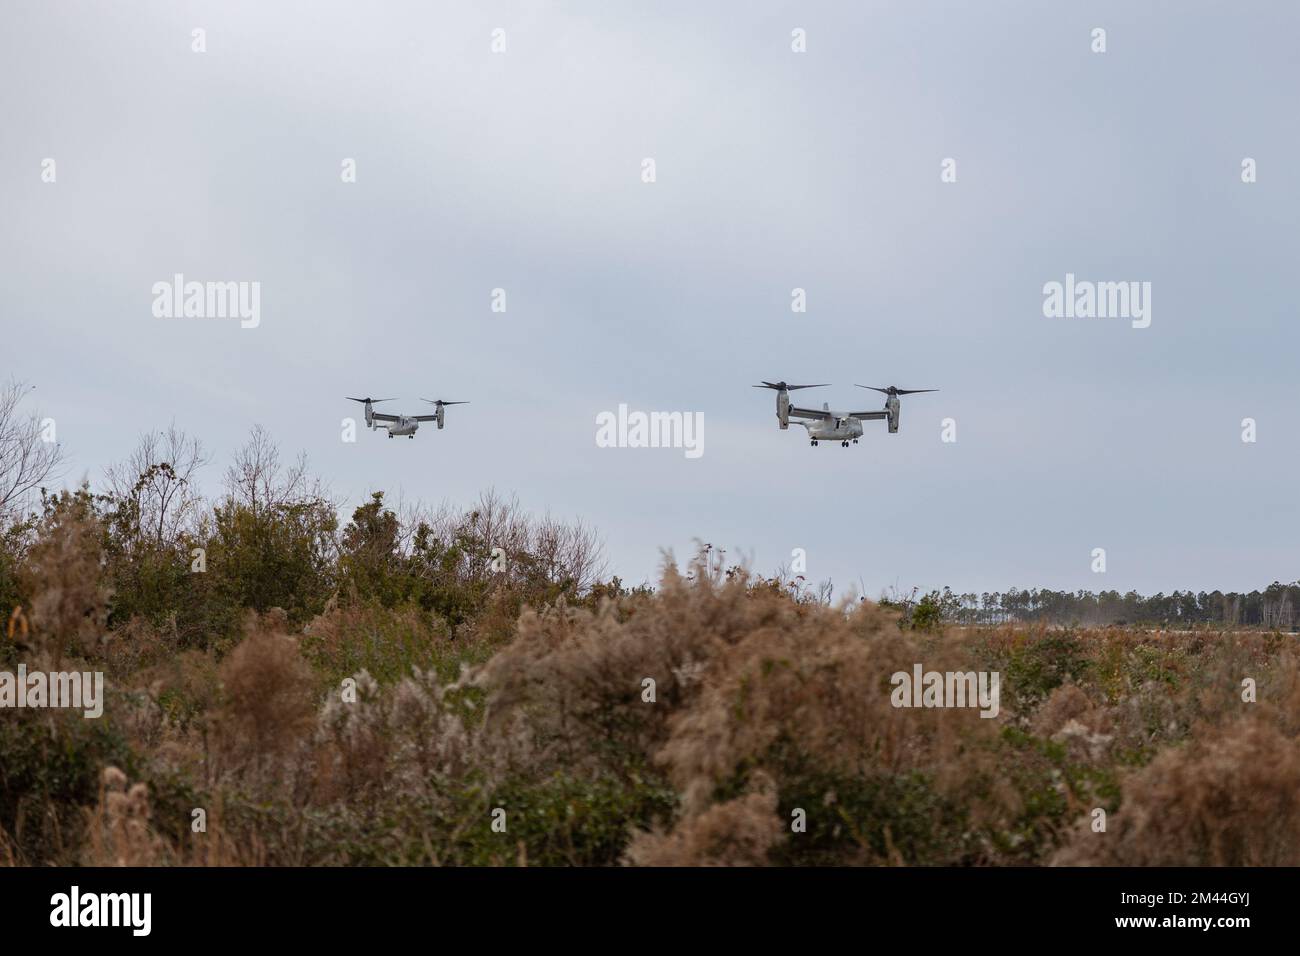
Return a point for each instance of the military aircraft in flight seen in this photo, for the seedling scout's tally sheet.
(823, 424)
(406, 425)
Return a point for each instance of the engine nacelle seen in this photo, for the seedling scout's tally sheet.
(892, 406)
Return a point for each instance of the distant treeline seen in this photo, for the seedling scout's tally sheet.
(1274, 607)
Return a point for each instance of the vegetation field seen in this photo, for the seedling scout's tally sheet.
(454, 687)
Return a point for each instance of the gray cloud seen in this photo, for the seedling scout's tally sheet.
(775, 170)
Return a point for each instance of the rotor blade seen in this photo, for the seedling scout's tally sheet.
(893, 390)
(439, 401)
(363, 400)
(791, 388)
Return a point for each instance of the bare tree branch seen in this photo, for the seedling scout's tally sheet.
(27, 460)
(261, 481)
(158, 481)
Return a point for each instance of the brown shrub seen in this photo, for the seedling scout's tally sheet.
(136, 645)
(119, 829)
(1228, 798)
(64, 575)
(403, 740)
(171, 714)
(1068, 702)
(267, 703)
(748, 685)
(739, 832)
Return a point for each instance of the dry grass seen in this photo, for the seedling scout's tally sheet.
(1230, 798)
(764, 709)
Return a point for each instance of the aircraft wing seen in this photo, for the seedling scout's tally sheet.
(809, 413)
(381, 417)
(869, 416)
(425, 418)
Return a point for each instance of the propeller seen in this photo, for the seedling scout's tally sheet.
(364, 400)
(894, 390)
(783, 387)
(441, 402)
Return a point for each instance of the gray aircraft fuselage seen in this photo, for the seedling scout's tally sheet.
(836, 429)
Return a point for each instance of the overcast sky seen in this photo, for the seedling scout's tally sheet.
(820, 170)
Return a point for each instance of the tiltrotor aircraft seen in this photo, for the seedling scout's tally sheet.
(406, 425)
(844, 427)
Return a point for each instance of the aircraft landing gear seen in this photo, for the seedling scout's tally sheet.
(813, 443)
